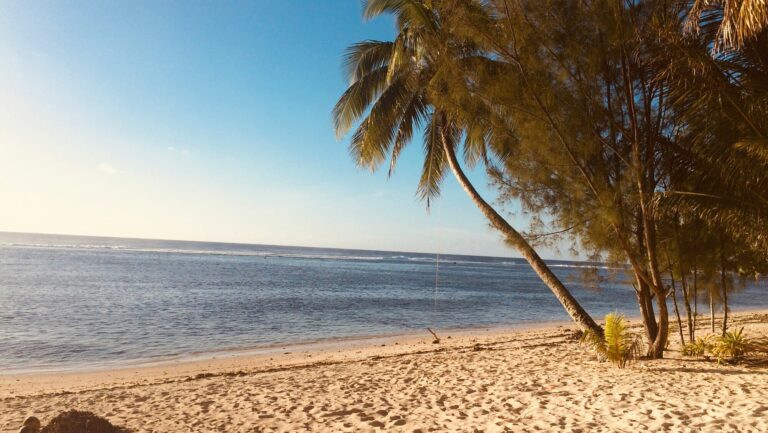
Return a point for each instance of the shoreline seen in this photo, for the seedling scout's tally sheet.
(317, 345)
(290, 354)
(342, 349)
(310, 346)
(533, 379)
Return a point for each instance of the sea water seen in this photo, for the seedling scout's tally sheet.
(78, 302)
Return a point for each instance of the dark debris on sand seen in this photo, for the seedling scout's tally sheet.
(75, 421)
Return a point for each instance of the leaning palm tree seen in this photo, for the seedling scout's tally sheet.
(390, 96)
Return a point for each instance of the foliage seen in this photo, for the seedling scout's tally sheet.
(731, 346)
(720, 100)
(634, 129)
(698, 348)
(575, 84)
(618, 345)
(740, 20)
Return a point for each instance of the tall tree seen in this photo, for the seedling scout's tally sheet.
(392, 95)
(574, 84)
(623, 122)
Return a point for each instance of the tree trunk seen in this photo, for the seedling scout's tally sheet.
(656, 350)
(674, 302)
(644, 295)
(695, 292)
(684, 282)
(687, 305)
(723, 283)
(712, 308)
(659, 344)
(643, 162)
(645, 301)
(513, 237)
(725, 303)
(677, 313)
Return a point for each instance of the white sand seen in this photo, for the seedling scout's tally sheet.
(539, 380)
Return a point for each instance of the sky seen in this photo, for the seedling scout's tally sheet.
(206, 121)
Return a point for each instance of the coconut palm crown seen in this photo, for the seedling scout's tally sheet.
(388, 95)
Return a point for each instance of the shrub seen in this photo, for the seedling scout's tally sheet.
(731, 346)
(698, 348)
(618, 345)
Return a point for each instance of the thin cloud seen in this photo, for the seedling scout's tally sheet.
(106, 168)
(180, 151)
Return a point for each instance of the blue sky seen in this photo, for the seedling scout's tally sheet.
(204, 121)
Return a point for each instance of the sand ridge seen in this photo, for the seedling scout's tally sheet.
(538, 380)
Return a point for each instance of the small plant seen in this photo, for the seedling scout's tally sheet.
(618, 345)
(698, 348)
(732, 346)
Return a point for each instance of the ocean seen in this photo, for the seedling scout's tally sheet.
(69, 302)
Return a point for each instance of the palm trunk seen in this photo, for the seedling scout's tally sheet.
(513, 237)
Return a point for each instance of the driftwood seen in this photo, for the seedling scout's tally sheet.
(437, 339)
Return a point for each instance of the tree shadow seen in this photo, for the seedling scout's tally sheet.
(715, 369)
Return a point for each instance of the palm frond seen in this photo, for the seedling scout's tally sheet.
(373, 140)
(407, 12)
(414, 116)
(356, 99)
(618, 345)
(435, 161)
(755, 147)
(737, 21)
(365, 57)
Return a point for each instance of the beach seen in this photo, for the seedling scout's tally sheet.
(538, 379)
(384, 216)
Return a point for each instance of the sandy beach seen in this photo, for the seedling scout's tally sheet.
(492, 381)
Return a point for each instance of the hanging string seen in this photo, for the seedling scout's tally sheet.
(437, 266)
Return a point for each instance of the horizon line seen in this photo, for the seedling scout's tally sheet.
(278, 245)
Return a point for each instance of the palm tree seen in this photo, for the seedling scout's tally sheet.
(390, 97)
(739, 20)
(720, 100)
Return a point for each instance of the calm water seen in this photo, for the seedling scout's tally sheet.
(69, 301)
